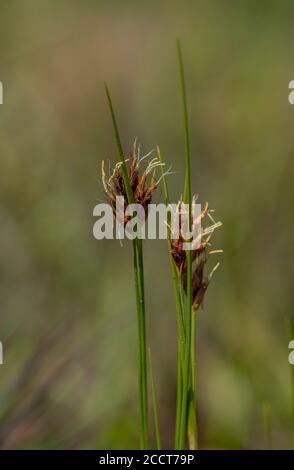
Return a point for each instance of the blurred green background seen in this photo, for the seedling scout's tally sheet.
(68, 319)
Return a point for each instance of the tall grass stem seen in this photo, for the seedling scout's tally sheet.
(188, 201)
(155, 402)
(139, 287)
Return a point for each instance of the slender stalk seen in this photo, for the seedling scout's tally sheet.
(179, 396)
(192, 420)
(142, 346)
(119, 147)
(188, 201)
(193, 350)
(177, 287)
(155, 402)
(175, 275)
(192, 425)
(139, 287)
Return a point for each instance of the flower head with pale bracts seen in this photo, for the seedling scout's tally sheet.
(142, 180)
(200, 252)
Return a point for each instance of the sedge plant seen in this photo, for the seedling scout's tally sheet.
(139, 285)
(187, 269)
(135, 182)
(189, 285)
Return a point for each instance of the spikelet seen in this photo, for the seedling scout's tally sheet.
(200, 254)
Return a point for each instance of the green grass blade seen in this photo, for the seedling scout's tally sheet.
(177, 287)
(142, 344)
(155, 402)
(119, 147)
(192, 422)
(192, 416)
(175, 275)
(139, 287)
(188, 200)
(187, 189)
(179, 395)
(164, 181)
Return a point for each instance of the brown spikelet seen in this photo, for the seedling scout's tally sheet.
(140, 181)
(200, 256)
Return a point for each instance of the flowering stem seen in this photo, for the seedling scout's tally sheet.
(177, 287)
(179, 396)
(155, 402)
(142, 345)
(188, 201)
(139, 286)
(192, 425)
(175, 275)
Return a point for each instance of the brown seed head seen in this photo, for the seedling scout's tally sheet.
(200, 255)
(142, 182)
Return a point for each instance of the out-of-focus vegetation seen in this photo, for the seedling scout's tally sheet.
(68, 323)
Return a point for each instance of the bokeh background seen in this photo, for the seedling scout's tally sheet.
(68, 319)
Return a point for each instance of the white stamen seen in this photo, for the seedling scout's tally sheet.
(213, 271)
(213, 252)
(145, 156)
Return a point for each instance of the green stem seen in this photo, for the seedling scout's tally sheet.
(193, 351)
(129, 191)
(139, 286)
(135, 262)
(142, 347)
(188, 201)
(192, 431)
(155, 403)
(179, 396)
(177, 287)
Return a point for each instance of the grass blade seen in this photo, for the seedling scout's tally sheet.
(142, 344)
(192, 415)
(188, 200)
(119, 147)
(155, 402)
(175, 275)
(139, 287)
(192, 423)
(177, 288)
